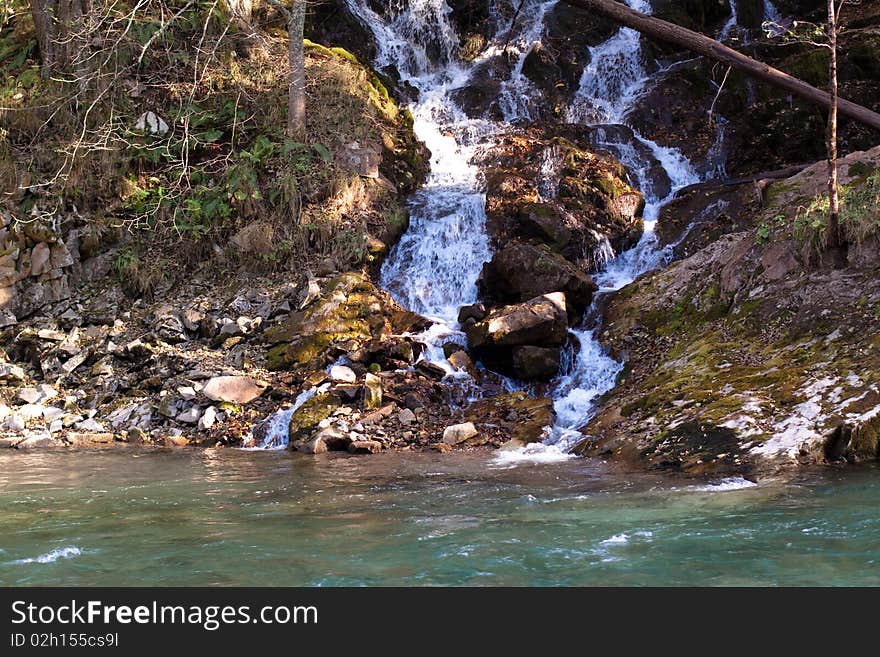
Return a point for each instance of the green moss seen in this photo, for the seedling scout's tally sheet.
(304, 422)
(860, 170)
(811, 66)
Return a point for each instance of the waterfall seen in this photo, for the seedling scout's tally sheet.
(614, 80)
(774, 18)
(731, 24)
(772, 15)
(434, 268)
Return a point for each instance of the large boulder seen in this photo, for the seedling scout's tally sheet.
(505, 338)
(759, 351)
(349, 313)
(233, 389)
(521, 271)
(549, 184)
(539, 321)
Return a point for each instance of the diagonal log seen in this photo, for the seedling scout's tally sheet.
(661, 30)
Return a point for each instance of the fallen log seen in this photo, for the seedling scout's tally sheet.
(661, 30)
(778, 174)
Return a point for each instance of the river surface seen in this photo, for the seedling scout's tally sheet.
(227, 517)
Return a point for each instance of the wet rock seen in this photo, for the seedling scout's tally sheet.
(308, 418)
(461, 361)
(535, 363)
(519, 272)
(314, 446)
(555, 68)
(539, 321)
(459, 433)
(175, 440)
(365, 447)
(475, 312)
(430, 370)
(745, 355)
(552, 175)
(702, 213)
(233, 389)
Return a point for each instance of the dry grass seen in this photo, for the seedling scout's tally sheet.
(225, 184)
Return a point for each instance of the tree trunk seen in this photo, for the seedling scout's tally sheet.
(60, 32)
(241, 13)
(42, 12)
(296, 110)
(703, 45)
(833, 237)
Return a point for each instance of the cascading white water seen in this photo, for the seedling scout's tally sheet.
(772, 19)
(275, 431)
(434, 268)
(615, 78)
(732, 22)
(517, 97)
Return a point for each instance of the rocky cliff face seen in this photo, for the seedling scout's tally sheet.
(753, 352)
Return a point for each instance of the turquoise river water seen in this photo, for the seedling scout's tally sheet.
(227, 517)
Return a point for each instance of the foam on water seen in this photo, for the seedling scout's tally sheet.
(726, 484)
(67, 552)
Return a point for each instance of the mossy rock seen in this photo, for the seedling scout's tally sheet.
(304, 422)
(350, 312)
(521, 417)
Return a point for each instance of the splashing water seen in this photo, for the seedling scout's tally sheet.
(434, 268)
(277, 426)
(67, 552)
(615, 79)
(518, 98)
(731, 24)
